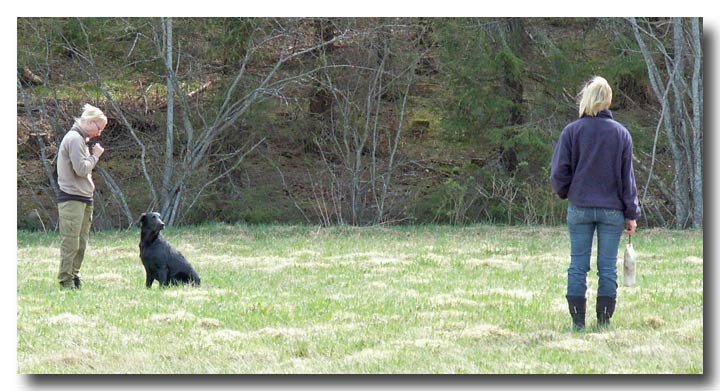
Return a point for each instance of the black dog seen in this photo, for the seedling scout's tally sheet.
(161, 261)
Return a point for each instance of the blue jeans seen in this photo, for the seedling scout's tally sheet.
(582, 223)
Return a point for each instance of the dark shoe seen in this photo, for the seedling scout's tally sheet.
(77, 282)
(577, 305)
(603, 320)
(605, 309)
(67, 285)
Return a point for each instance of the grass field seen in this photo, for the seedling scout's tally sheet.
(281, 299)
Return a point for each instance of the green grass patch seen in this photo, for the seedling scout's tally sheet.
(300, 299)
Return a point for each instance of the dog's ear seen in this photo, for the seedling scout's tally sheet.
(141, 220)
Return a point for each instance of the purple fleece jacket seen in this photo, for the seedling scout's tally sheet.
(592, 165)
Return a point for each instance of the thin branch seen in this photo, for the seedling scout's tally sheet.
(224, 173)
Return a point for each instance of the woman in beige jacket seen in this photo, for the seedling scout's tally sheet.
(75, 163)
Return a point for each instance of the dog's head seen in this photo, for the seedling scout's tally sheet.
(151, 222)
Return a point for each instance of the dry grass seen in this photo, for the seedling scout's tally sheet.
(486, 300)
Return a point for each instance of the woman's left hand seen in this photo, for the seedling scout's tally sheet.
(630, 226)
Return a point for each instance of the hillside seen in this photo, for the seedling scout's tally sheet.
(406, 121)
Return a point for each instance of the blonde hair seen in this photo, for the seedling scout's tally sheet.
(91, 113)
(595, 97)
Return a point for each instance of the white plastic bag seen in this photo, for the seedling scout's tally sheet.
(629, 264)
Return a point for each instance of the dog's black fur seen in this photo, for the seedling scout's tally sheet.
(161, 261)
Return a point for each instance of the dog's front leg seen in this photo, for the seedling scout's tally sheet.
(149, 277)
(163, 277)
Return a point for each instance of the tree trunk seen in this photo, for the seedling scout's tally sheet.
(697, 101)
(166, 200)
(681, 151)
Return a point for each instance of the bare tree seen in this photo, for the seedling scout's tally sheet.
(203, 132)
(359, 142)
(675, 72)
(170, 123)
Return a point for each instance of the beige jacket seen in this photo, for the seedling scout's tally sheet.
(75, 164)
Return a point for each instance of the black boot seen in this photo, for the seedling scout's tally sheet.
(576, 305)
(605, 308)
(77, 282)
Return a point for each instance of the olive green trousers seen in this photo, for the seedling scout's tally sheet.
(75, 222)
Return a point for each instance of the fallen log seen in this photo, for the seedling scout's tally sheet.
(31, 78)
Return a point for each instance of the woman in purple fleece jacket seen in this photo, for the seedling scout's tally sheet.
(592, 168)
